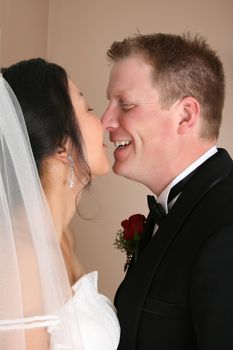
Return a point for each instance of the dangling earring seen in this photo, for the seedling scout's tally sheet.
(71, 177)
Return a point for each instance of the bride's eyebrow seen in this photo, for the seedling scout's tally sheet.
(80, 94)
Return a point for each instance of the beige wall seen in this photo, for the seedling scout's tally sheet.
(24, 25)
(79, 33)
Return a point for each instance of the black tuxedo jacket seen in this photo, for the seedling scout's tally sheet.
(179, 294)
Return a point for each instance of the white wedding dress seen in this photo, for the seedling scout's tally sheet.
(95, 319)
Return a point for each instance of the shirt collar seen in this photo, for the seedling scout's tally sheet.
(162, 198)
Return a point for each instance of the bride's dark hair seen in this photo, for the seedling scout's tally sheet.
(41, 88)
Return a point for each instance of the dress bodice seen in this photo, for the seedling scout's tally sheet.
(87, 321)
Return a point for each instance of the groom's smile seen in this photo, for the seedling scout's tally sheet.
(138, 126)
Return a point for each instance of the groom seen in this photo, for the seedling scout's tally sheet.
(166, 95)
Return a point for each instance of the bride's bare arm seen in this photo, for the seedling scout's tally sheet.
(36, 338)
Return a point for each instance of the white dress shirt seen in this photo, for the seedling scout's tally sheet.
(163, 197)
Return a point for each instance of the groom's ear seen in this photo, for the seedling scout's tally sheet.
(189, 114)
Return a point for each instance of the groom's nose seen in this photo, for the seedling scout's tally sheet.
(109, 119)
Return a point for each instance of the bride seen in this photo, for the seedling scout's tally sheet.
(41, 307)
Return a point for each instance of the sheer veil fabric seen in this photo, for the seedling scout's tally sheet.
(33, 279)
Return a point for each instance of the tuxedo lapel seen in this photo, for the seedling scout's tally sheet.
(135, 287)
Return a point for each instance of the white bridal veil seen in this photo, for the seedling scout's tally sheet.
(33, 279)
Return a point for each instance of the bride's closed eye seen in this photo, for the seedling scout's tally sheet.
(90, 109)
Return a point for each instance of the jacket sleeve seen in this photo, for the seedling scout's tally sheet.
(211, 293)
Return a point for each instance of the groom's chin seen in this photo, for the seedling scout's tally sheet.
(117, 169)
(120, 170)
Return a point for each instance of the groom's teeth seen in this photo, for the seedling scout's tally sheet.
(121, 143)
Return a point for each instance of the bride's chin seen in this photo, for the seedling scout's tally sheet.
(106, 169)
(102, 170)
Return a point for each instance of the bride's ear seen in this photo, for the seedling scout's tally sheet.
(62, 153)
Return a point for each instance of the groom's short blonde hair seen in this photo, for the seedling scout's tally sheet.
(182, 66)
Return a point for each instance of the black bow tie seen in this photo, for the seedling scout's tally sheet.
(156, 216)
(156, 209)
(157, 213)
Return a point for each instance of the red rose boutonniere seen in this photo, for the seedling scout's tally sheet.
(128, 237)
